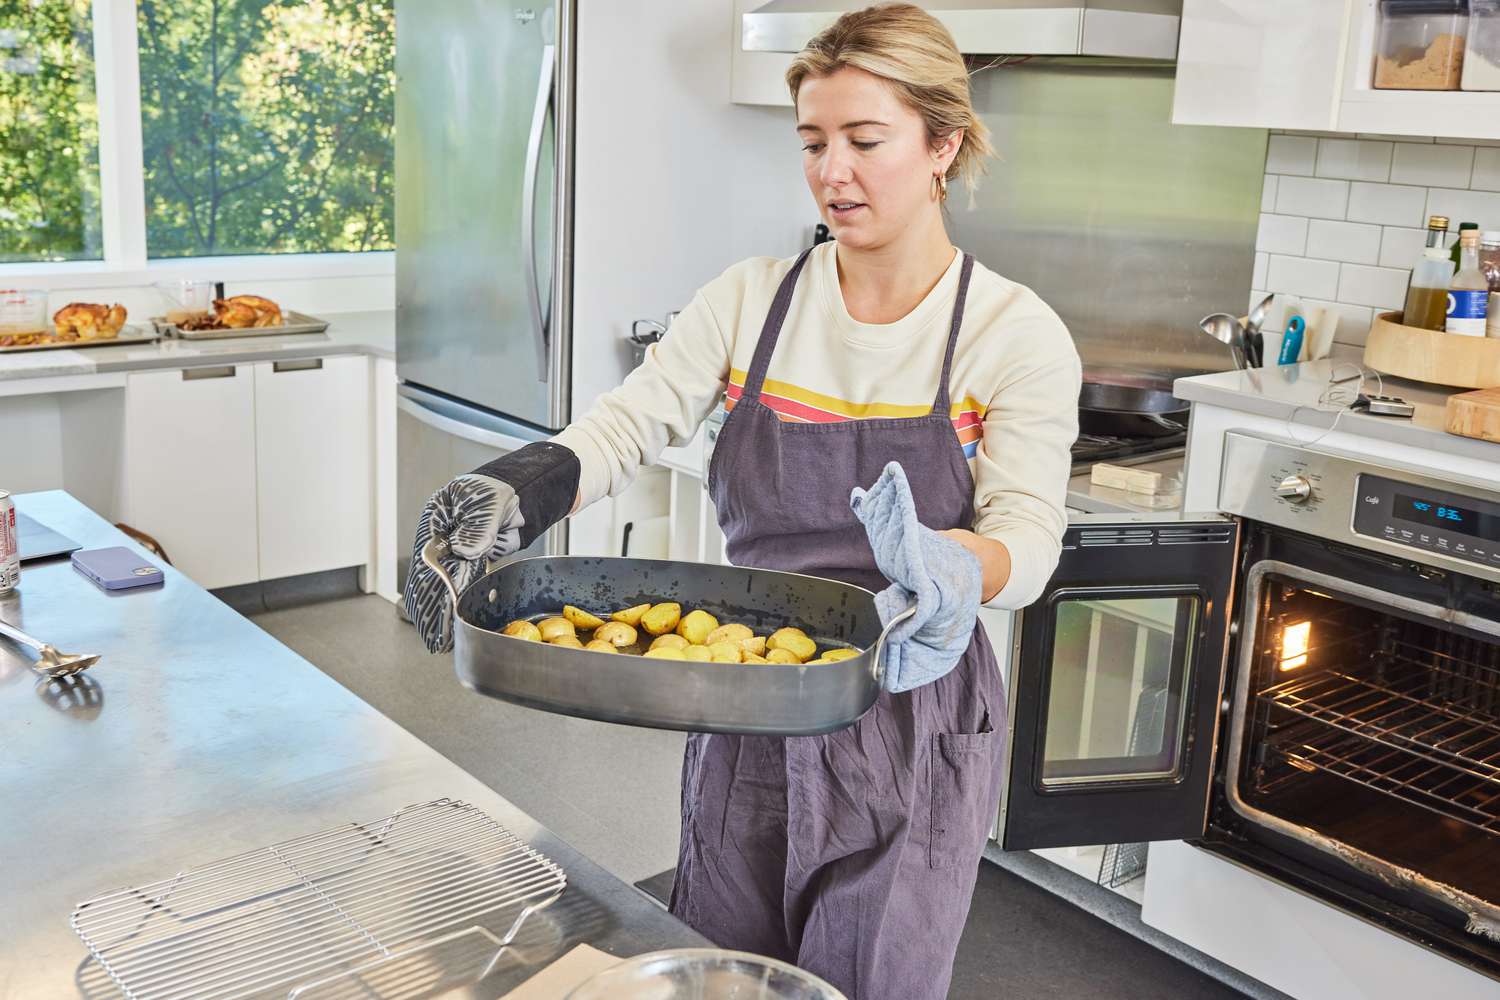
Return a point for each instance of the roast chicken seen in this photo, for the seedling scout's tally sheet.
(241, 312)
(88, 321)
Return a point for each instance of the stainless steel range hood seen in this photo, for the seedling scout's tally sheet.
(1130, 29)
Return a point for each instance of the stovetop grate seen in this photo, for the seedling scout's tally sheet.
(271, 921)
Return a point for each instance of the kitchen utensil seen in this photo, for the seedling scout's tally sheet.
(704, 974)
(50, 660)
(185, 300)
(1258, 314)
(1291, 341)
(23, 311)
(1474, 414)
(750, 698)
(294, 323)
(1383, 406)
(1129, 407)
(1254, 339)
(1226, 330)
(295, 918)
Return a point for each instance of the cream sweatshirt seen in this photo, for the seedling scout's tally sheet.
(1014, 389)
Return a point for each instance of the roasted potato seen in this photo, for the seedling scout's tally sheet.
(581, 618)
(551, 628)
(522, 629)
(631, 616)
(700, 653)
(729, 633)
(755, 644)
(599, 646)
(662, 618)
(695, 627)
(569, 640)
(616, 634)
(725, 652)
(835, 655)
(668, 641)
(754, 658)
(795, 641)
(665, 653)
(781, 656)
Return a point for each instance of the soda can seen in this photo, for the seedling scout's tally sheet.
(10, 545)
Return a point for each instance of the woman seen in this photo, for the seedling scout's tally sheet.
(854, 854)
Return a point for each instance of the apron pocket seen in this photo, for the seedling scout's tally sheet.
(960, 764)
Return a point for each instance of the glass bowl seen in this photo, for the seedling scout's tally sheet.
(704, 974)
(185, 300)
(23, 311)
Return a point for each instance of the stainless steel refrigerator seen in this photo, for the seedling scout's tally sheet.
(484, 118)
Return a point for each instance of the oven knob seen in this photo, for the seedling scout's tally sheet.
(1294, 488)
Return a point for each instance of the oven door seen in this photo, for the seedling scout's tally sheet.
(1115, 684)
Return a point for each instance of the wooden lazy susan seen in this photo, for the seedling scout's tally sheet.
(1445, 359)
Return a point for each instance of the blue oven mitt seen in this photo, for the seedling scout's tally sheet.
(941, 577)
(499, 508)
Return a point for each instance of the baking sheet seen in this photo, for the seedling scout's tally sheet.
(130, 333)
(295, 323)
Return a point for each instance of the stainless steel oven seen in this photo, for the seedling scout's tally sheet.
(1306, 681)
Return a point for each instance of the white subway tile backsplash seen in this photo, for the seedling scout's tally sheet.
(1291, 154)
(1300, 276)
(1482, 207)
(1354, 321)
(1381, 287)
(1315, 198)
(1354, 159)
(1486, 172)
(1441, 166)
(1258, 278)
(1355, 242)
(1281, 234)
(1387, 204)
(1400, 247)
(1268, 194)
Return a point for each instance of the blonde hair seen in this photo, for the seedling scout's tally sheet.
(910, 50)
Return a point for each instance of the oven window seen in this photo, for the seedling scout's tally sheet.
(1116, 702)
(1378, 728)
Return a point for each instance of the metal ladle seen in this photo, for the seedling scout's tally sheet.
(1226, 330)
(49, 660)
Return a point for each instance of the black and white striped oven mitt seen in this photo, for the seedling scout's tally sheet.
(499, 508)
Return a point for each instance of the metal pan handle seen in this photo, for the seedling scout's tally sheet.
(432, 554)
(880, 643)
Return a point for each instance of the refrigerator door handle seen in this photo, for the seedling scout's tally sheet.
(528, 206)
(457, 428)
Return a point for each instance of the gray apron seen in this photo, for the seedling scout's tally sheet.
(852, 855)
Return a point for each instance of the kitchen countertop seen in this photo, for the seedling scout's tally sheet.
(372, 333)
(198, 736)
(1290, 392)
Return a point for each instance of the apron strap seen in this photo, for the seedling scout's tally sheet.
(942, 404)
(770, 331)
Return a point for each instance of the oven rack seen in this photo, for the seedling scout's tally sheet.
(320, 907)
(1437, 789)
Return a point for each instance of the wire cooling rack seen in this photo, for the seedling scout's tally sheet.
(343, 900)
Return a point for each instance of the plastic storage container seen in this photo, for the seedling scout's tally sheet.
(1482, 53)
(1420, 44)
(23, 312)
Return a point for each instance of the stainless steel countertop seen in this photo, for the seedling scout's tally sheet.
(1291, 392)
(202, 736)
(372, 333)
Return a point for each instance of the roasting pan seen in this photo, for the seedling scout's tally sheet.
(744, 698)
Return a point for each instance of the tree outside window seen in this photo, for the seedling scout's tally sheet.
(267, 125)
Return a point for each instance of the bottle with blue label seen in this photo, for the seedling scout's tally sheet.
(1469, 292)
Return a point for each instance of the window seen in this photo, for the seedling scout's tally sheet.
(267, 127)
(49, 133)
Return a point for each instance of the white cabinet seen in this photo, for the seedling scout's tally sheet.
(253, 471)
(756, 77)
(313, 478)
(189, 469)
(1306, 64)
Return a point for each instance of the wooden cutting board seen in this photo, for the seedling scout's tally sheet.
(1475, 414)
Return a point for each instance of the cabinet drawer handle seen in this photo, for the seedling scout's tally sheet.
(311, 364)
(219, 371)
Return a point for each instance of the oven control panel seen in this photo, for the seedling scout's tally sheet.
(1438, 520)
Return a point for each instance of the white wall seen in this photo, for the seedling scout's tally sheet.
(673, 183)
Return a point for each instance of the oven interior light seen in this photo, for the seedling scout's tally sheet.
(1294, 642)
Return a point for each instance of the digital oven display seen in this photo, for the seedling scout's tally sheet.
(1436, 514)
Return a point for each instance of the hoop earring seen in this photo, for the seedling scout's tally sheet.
(940, 187)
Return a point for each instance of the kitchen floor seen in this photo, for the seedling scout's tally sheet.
(612, 792)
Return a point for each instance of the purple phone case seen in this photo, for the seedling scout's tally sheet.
(116, 568)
